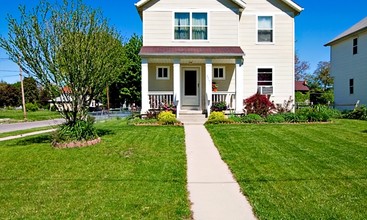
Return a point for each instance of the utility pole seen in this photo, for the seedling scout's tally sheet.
(22, 88)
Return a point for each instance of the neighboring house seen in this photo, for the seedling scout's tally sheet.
(349, 66)
(240, 46)
(301, 86)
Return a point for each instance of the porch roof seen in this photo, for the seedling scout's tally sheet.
(191, 51)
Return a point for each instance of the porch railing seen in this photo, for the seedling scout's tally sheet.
(158, 98)
(228, 97)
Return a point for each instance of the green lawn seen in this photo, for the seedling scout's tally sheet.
(31, 116)
(135, 173)
(299, 171)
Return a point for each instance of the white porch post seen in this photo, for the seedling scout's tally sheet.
(144, 86)
(177, 85)
(239, 85)
(208, 84)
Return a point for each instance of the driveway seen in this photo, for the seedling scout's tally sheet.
(29, 125)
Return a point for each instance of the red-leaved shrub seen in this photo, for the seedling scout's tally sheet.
(258, 104)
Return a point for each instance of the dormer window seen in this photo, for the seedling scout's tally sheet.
(191, 26)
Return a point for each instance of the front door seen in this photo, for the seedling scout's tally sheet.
(191, 85)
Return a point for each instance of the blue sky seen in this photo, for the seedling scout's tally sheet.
(321, 21)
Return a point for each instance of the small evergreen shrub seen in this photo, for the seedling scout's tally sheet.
(277, 118)
(167, 118)
(216, 116)
(32, 107)
(252, 118)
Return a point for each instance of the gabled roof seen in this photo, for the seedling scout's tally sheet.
(240, 3)
(191, 51)
(360, 26)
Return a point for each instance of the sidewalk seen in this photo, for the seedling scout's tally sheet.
(214, 193)
(26, 134)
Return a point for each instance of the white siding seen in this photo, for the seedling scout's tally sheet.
(345, 66)
(279, 55)
(222, 21)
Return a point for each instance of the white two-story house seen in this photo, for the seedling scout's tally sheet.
(240, 47)
(349, 66)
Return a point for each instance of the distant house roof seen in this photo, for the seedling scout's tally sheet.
(360, 26)
(191, 51)
(301, 86)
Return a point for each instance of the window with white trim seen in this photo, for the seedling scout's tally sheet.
(355, 46)
(191, 26)
(264, 77)
(219, 73)
(265, 29)
(162, 72)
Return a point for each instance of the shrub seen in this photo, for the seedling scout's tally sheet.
(294, 118)
(81, 130)
(216, 116)
(252, 118)
(315, 114)
(358, 113)
(277, 118)
(31, 107)
(235, 118)
(258, 104)
(167, 118)
(302, 97)
(219, 106)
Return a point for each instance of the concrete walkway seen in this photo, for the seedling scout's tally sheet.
(26, 134)
(214, 193)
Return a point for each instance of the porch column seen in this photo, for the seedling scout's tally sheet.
(144, 86)
(177, 85)
(239, 85)
(208, 84)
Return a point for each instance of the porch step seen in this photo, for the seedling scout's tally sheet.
(192, 119)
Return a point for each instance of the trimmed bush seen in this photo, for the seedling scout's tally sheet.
(167, 118)
(216, 116)
(277, 118)
(252, 118)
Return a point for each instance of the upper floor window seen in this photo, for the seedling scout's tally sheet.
(219, 73)
(191, 26)
(162, 72)
(265, 29)
(355, 45)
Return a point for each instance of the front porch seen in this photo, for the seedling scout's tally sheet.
(184, 79)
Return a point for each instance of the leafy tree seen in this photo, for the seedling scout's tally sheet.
(300, 68)
(9, 95)
(31, 91)
(71, 51)
(321, 79)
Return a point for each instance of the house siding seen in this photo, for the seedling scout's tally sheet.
(159, 20)
(278, 55)
(345, 66)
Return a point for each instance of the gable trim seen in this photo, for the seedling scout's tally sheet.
(238, 2)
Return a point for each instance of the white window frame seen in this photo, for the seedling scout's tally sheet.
(257, 28)
(224, 72)
(191, 25)
(163, 78)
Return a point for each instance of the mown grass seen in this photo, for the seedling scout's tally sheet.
(39, 115)
(299, 171)
(13, 133)
(135, 173)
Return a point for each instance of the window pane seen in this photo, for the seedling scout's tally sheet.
(199, 26)
(265, 36)
(265, 22)
(199, 33)
(265, 77)
(199, 19)
(182, 26)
